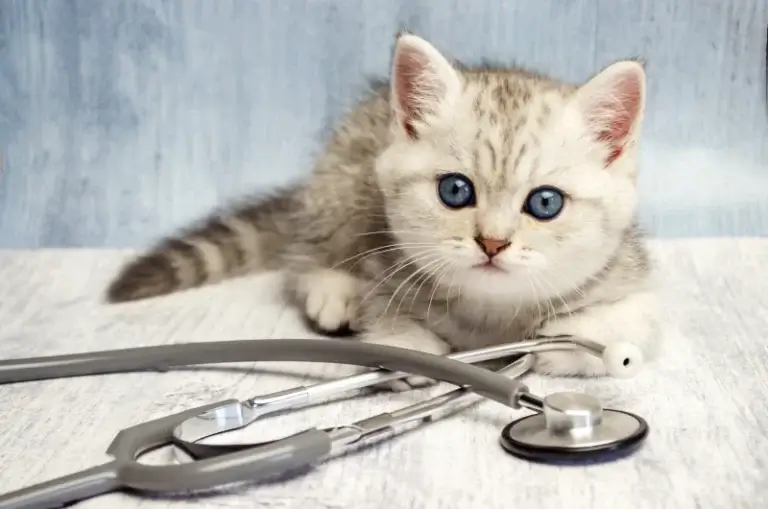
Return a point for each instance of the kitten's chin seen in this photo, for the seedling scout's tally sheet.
(489, 266)
(494, 279)
(493, 283)
(514, 267)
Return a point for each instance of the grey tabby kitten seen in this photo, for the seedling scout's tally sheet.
(452, 209)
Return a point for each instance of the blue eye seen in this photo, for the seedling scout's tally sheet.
(456, 191)
(544, 203)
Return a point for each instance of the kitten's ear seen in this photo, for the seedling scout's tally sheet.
(422, 82)
(612, 105)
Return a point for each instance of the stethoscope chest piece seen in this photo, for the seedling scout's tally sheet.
(573, 428)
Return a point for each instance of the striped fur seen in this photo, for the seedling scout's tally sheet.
(225, 245)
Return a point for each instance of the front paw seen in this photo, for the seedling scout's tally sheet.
(328, 297)
(568, 364)
(415, 339)
(405, 384)
(630, 326)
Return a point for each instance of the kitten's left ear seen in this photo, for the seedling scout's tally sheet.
(612, 105)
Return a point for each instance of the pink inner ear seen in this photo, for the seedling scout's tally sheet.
(613, 114)
(414, 87)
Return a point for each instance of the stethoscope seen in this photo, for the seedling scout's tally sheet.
(564, 428)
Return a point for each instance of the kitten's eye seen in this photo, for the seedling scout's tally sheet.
(456, 191)
(544, 203)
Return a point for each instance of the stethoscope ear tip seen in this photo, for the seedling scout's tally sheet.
(622, 360)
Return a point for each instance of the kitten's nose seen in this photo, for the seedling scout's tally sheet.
(491, 247)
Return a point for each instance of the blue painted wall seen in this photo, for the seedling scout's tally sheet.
(123, 119)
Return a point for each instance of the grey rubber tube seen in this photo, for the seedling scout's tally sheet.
(65, 490)
(162, 358)
(252, 464)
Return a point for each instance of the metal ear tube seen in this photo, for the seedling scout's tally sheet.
(621, 360)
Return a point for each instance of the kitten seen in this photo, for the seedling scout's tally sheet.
(452, 209)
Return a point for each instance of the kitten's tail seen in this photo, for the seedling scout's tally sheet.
(247, 239)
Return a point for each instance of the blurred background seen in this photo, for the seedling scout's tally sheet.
(122, 120)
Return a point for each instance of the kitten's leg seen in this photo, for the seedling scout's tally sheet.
(405, 333)
(331, 299)
(634, 319)
(328, 297)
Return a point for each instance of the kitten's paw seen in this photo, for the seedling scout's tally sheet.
(329, 298)
(418, 339)
(632, 321)
(406, 384)
(568, 364)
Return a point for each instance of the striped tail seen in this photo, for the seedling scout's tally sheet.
(223, 247)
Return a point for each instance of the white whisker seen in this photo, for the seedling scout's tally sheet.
(426, 273)
(429, 275)
(533, 289)
(398, 266)
(380, 250)
(548, 300)
(394, 294)
(435, 286)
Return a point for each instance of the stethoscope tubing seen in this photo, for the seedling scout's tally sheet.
(162, 358)
(253, 464)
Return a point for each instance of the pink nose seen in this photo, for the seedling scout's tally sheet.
(491, 247)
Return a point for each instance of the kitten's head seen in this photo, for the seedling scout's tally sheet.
(506, 182)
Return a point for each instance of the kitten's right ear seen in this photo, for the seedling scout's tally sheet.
(612, 105)
(422, 82)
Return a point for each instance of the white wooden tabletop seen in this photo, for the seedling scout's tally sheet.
(706, 400)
